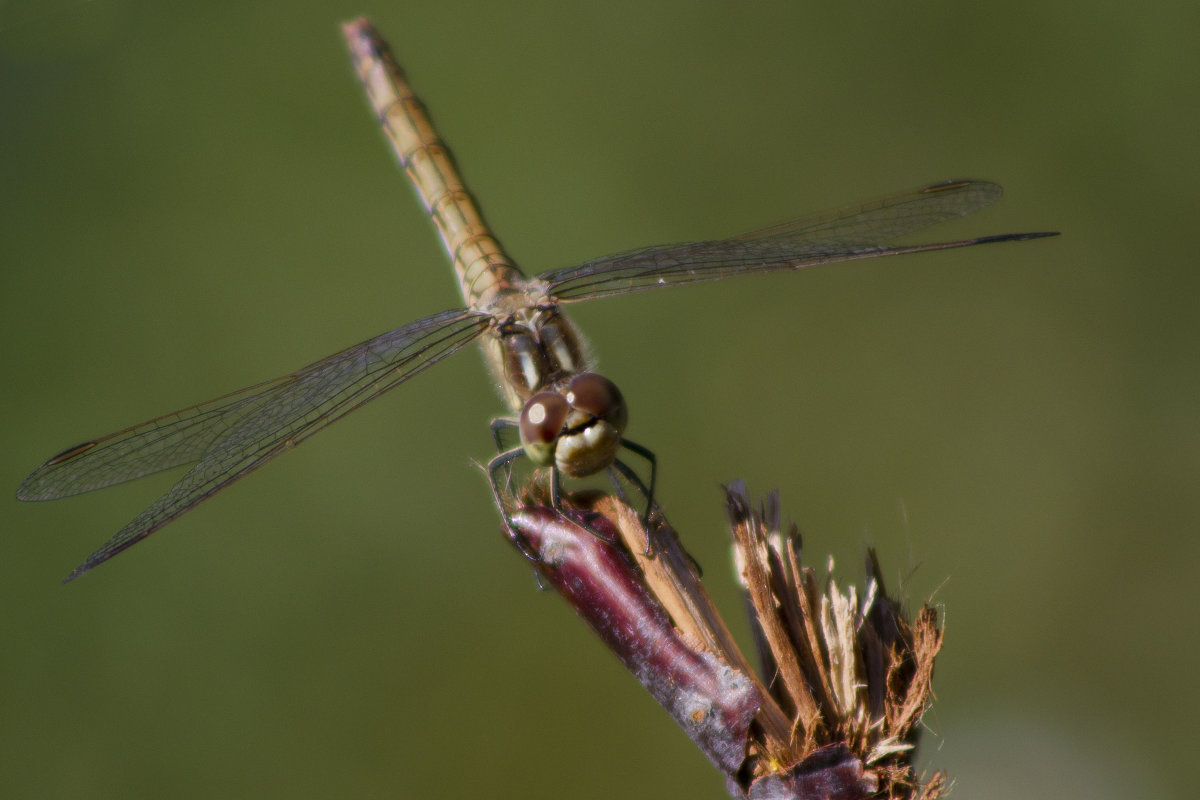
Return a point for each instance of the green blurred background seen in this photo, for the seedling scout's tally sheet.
(197, 199)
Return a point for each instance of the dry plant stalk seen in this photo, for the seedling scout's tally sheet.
(846, 676)
(849, 669)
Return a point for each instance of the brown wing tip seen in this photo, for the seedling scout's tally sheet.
(953, 184)
(69, 453)
(1016, 237)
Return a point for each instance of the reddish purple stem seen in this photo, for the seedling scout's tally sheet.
(711, 701)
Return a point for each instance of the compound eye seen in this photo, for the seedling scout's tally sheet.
(542, 418)
(596, 395)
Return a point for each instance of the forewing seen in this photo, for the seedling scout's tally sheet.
(236, 434)
(862, 231)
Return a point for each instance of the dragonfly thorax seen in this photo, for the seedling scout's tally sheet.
(576, 425)
(532, 349)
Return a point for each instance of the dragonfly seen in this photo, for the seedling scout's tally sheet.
(569, 419)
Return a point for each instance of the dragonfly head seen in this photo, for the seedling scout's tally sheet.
(577, 427)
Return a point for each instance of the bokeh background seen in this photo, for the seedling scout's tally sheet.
(195, 198)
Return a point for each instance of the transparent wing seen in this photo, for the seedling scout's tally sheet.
(861, 231)
(234, 435)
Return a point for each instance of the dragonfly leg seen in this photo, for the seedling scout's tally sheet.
(556, 497)
(499, 464)
(556, 489)
(652, 460)
(625, 471)
(499, 426)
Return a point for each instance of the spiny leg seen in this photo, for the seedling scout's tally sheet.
(498, 426)
(503, 462)
(652, 460)
(626, 472)
(556, 489)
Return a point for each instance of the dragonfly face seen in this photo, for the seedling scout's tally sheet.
(576, 427)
